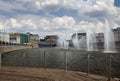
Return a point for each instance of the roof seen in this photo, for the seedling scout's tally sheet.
(83, 34)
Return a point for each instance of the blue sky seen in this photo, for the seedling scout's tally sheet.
(61, 17)
(117, 3)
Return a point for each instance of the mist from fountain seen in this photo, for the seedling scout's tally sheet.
(82, 43)
(75, 41)
(109, 41)
(62, 43)
(91, 40)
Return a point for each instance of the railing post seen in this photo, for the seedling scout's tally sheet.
(88, 63)
(24, 57)
(44, 53)
(110, 64)
(0, 62)
(66, 61)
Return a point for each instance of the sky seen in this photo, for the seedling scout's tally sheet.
(58, 17)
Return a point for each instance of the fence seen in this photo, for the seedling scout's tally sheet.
(106, 64)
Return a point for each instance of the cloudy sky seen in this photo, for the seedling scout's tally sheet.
(61, 17)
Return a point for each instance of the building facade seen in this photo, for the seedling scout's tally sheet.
(51, 40)
(117, 34)
(4, 37)
(100, 37)
(18, 38)
(33, 38)
(80, 35)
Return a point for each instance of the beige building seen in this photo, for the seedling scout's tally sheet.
(15, 38)
(4, 37)
(34, 39)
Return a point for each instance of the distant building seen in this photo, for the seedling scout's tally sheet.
(43, 43)
(51, 40)
(117, 34)
(34, 39)
(100, 37)
(80, 35)
(4, 37)
(18, 38)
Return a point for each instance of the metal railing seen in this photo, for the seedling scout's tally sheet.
(91, 63)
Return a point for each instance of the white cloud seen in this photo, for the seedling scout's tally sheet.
(1, 27)
(91, 11)
(45, 24)
(14, 23)
(38, 4)
(100, 27)
(65, 21)
(65, 25)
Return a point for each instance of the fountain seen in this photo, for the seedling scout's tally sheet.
(62, 44)
(91, 40)
(91, 45)
(109, 42)
(109, 45)
(82, 42)
(65, 44)
(75, 41)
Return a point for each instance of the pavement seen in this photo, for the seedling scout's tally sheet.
(44, 74)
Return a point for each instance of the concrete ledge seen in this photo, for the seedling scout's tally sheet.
(12, 48)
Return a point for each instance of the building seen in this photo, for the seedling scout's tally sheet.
(18, 38)
(4, 37)
(117, 34)
(51, 40)
(34, 39)
(100, 37)
(43, 43)
(80, 35)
